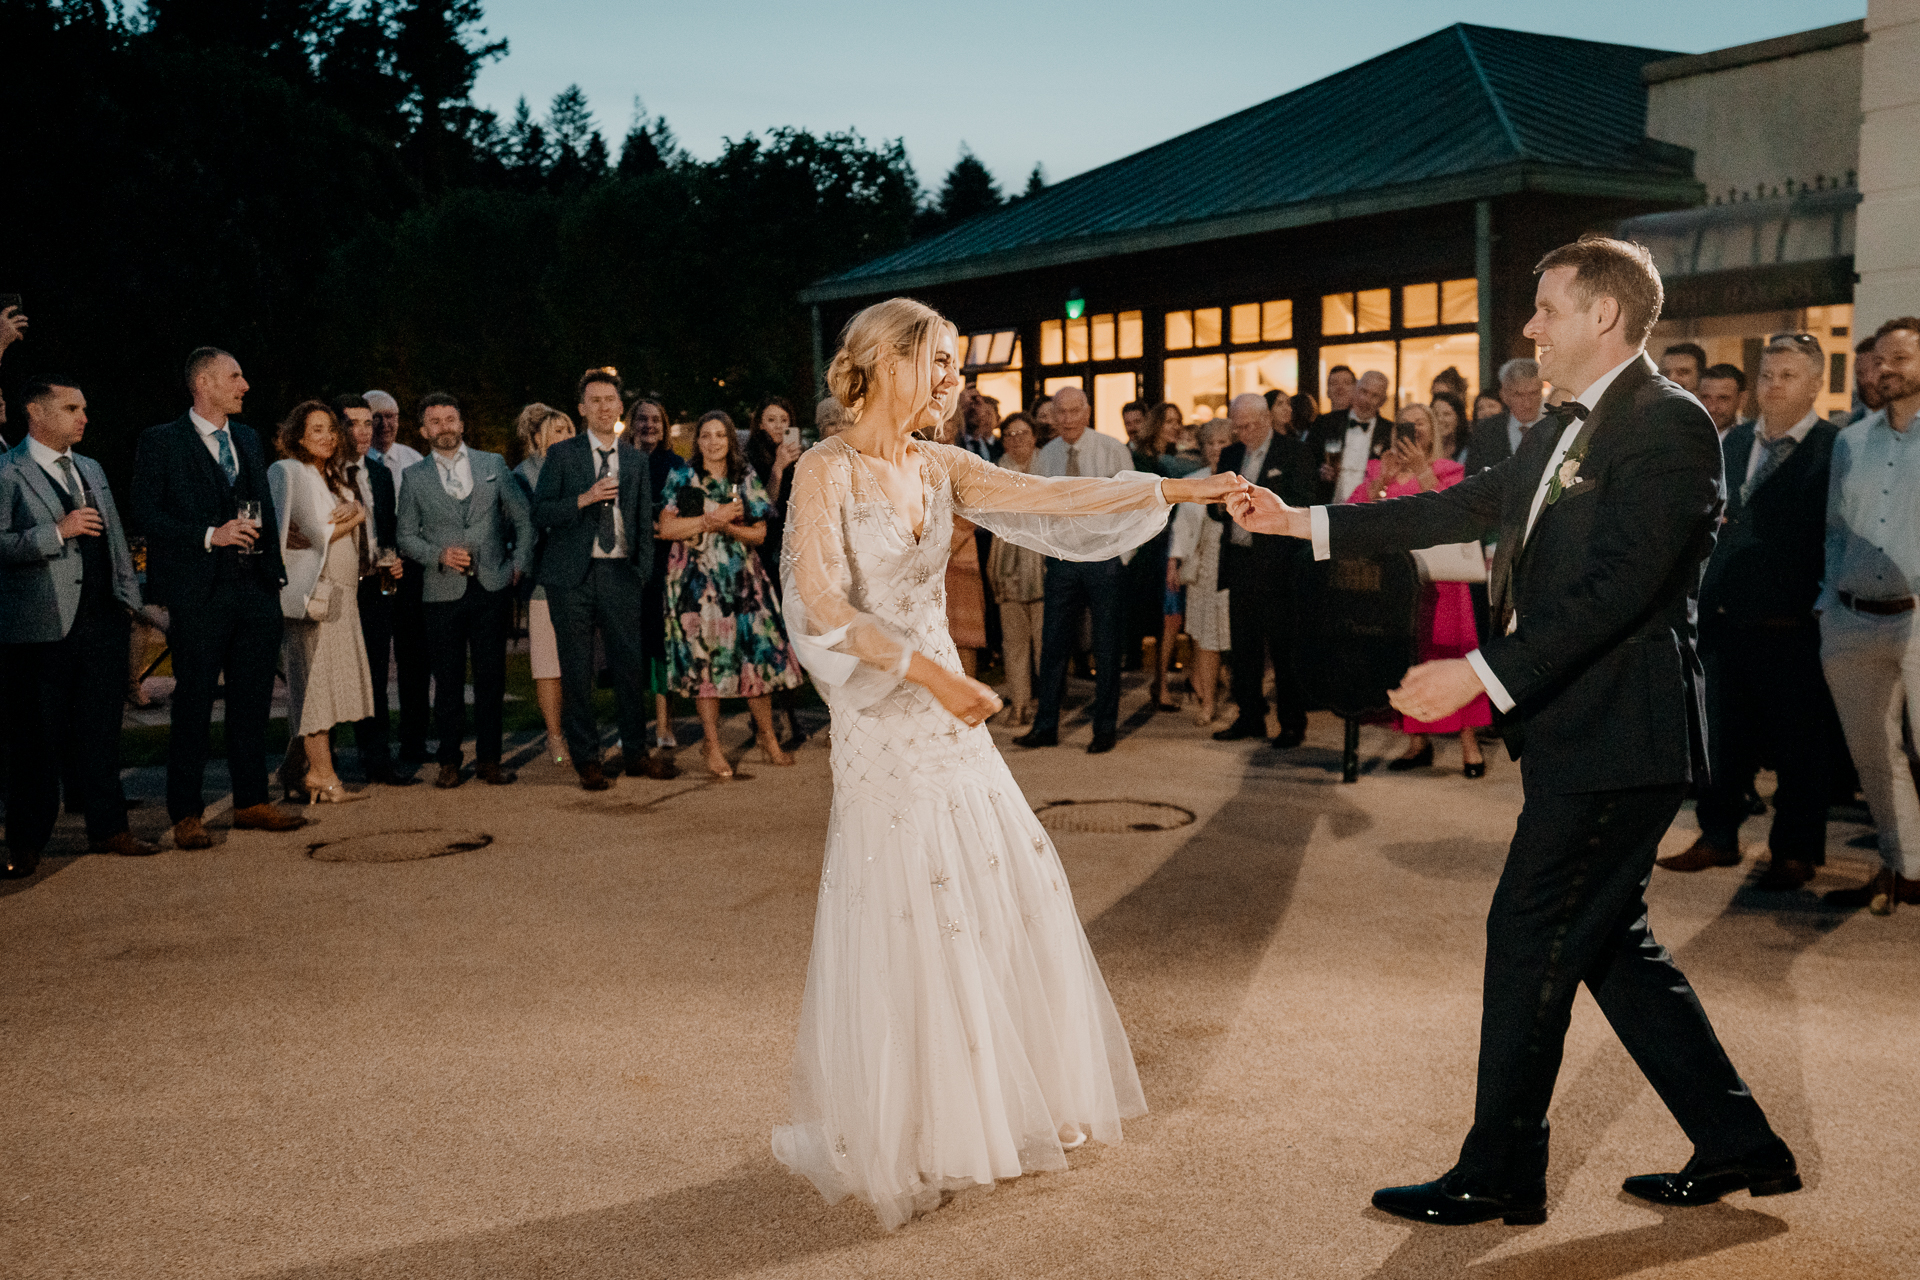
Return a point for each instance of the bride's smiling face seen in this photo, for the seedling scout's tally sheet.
(908, 382)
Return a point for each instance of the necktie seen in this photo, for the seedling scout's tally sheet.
(1073, 459)
(360, 534)
(227, 463)
(450, 479)
(607, 537)
(76, 496)
(1776, 452)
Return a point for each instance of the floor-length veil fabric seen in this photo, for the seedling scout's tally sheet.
(954, 1017)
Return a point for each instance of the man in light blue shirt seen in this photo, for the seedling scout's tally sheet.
(1869, 644)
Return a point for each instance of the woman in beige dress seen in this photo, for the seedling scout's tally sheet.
(323, 544)
(1193, 560)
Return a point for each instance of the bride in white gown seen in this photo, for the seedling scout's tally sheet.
(955, 1028)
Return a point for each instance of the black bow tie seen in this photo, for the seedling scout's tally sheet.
(1568, 412)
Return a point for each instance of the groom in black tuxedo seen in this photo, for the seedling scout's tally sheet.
(1605, 518)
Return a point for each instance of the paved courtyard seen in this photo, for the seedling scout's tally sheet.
(558, 1048)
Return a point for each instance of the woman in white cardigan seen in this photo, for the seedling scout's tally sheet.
(1193, 560)
(323, 542)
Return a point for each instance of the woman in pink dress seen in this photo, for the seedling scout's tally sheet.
(1446, 608)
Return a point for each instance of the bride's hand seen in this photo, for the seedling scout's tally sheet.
(1214, 488)
(969, 701)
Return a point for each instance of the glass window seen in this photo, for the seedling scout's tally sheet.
(1103, 337)
(1051, 349)
(1052, 385)
(1422, 358)
(1179, 330)
(979, 347)
(1198, 385)
(1006, 349)
(1077, 341)
(1263, 371)
(1004, 387)
(1420, 306)
(1460, 302)
(1362, 358)
(1276, 320)
(1336, 314)
(1206, 327)
(1373, 310)
(1132, 334)
(1111, 393)
(1245, 320)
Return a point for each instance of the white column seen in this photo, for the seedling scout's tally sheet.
(1887, 247)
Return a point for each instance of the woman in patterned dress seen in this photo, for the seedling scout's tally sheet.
(724, 635)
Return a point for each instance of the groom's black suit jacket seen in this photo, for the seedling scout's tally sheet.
(1602, 664)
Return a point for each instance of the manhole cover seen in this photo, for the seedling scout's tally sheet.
(1112, 816)
(399, 846)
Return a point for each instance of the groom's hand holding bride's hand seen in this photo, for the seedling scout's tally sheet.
(1260, 511)
(1435, 690)
(1209, 488)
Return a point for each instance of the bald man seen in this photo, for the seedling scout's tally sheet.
(1345, 440)
(1073, 585)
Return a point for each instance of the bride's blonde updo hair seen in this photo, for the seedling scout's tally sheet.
(899, 328)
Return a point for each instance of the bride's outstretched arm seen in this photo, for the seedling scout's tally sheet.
(1073, 518)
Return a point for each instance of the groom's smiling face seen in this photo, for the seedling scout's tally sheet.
(1567, 327)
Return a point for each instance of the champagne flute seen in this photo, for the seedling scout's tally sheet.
(249, 510)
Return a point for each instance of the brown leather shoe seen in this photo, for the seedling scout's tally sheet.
(652, 766)
(493, 775)
(1784, 875)
(1700, 855)
(191, 833)
(593, 777)
(266, 817)
(449, 777)
(1877, 894)
(125, 845)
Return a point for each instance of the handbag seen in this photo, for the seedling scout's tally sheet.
(1452, 562)
(324, 603)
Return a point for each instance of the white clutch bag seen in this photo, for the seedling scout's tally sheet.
(1452, 562)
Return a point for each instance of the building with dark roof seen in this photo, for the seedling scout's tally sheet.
(1386, 217)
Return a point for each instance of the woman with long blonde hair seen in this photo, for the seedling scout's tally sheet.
(955, 1028)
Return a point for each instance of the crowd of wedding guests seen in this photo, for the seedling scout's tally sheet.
(349, 562)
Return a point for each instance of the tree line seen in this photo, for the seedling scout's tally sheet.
(309, 184)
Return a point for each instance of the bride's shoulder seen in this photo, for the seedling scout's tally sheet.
(829, 461)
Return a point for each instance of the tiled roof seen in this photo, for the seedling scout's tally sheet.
(1463, 113)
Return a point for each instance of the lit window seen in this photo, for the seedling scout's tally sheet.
(991, 350)
(1336, 313)
(1077, 341)
(1460, 302)
(1103, 337)
(1198, 385)
(980, 348)
(1245, 320)
(1373, 310)
(1262, 371)
(1132, 335)
(1276, 320)
(1052, 385)
(1206, 327)
(1050, 344)
(1179, 330)
(1420, 306)
(1006, 344)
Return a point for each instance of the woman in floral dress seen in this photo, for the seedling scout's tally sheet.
(724, 634)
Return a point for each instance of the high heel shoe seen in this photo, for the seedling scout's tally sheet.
(724, 770)
(334, 792)
(783, 759)
(1420, 759)
(1074, 1143)
(1474, 768)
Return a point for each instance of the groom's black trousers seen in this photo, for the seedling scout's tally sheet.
(1571, 908)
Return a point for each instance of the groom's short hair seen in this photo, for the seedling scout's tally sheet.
(1617, 269)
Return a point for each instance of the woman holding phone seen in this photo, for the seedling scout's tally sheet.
(725, 638)
(1446, 608)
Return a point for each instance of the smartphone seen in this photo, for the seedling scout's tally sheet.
(793, 435)
(1405, 431)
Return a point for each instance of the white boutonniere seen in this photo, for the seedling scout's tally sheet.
(1566, 477)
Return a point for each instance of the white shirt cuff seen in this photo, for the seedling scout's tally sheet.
(207, 542)
(1495, 690)
(1322, 536)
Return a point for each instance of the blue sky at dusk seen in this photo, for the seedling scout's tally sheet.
(1069, 84)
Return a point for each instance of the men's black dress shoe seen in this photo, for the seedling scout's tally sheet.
(388, 778)
(1447, 1203)
(1288, 739)
(493, 775)
(1770, 1171)
(1038, 738)
(448, 777)
(1420, 759)
(1241, 729)
(1101, 744)
(644, 765)
(592, 777)
(17, 864)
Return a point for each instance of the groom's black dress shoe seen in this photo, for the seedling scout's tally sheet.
(1038, 738)
(1448, 1203)
(1242, 729)
(1770, 1171)
(1101, 744)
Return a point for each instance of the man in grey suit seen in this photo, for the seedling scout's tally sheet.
(463, 517)
(66, 588)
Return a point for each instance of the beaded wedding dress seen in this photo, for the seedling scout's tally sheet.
(954, 1019)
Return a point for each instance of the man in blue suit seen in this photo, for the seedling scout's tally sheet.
(463, 517)
(66, 589)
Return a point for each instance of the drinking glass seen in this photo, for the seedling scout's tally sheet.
(250, 512)
(385, 563)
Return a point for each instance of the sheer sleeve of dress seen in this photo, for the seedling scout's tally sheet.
(1066, 517)
(857, 658)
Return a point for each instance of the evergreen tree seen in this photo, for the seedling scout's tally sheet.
(969, 190)
(1036, 182)
(649, 146)
(579, 152)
